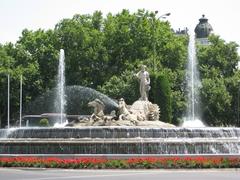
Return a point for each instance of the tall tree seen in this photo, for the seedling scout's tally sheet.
(218, 62)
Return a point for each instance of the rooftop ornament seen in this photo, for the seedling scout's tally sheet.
(203, 29)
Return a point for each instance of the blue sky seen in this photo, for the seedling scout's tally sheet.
(15, 15)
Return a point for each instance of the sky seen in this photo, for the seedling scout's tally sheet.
(16, 15)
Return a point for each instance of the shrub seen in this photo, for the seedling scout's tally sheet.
(44, 122)
(161, 95)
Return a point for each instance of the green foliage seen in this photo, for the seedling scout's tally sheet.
(100, 53)
(123, 86)
(218, 55)
(44, 122)
(82, 39)
(161, 95)
(216, 100)
(220, 81)
(43, 48)
(15, 60)
(104, 52)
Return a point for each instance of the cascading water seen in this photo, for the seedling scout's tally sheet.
(60, 100)
(193, 115)
(120, 140)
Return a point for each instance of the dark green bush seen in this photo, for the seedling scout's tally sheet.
(160, 94)
(44, 122)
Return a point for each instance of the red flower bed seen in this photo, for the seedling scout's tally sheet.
(82, 163)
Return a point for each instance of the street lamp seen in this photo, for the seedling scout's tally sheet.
(238, 105)
(238, 96)
(20, 104)
(8, 101)
(163, 16)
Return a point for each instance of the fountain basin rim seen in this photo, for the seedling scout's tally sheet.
(122, 156)
(117, 140)
(125, 127)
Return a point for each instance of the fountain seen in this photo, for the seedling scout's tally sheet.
(193, 116)
(60, 100)
(119, 140)
(135, 132)
(119, 129)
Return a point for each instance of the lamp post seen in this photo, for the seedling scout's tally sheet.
(8, 101)
(163, 16)
(238, 106)
(238, 103)
(20, 104)
(238, 95)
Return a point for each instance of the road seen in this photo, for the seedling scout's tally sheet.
(63, 174)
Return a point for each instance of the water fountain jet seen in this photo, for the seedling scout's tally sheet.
(60, 100)
(193, 116)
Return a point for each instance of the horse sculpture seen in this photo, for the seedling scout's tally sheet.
(98, 107)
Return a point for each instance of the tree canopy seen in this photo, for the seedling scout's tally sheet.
(220, 81)
(104, 52)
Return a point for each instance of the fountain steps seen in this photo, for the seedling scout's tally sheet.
(118, 148)
(120, 140)
(120, 156)
(120, 132)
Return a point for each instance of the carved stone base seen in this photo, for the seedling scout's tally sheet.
(146, 110)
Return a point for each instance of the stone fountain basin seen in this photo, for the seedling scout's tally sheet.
(120, 140)
(119, 132)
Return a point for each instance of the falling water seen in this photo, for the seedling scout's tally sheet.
(60, 101)
(121, 141)
(193, 84)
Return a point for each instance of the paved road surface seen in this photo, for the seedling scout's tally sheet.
(62, 174)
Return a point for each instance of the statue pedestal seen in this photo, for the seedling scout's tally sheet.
(140, 107)
(149, 113)
(146, 110)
